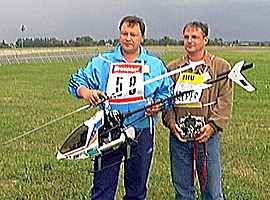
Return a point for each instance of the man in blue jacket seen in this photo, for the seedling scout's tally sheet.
(121, 73)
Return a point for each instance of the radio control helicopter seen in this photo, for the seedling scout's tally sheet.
(105, 131)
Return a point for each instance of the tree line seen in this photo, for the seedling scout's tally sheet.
(89, 41)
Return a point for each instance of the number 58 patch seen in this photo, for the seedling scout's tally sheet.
(125, 83)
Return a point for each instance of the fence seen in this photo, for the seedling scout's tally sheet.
(45, 55)
(75, 54)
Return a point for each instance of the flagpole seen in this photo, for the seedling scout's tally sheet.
(22, 29)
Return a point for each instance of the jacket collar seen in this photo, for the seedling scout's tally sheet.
(207, 58)
(119, 57)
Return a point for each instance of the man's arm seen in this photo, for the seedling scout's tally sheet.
(85, 83)
(220, 113)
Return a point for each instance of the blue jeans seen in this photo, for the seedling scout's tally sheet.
(136, 170)
(181, 155)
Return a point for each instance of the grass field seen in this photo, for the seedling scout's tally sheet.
(31, 95)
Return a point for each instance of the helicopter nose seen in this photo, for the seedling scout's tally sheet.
(60, 156)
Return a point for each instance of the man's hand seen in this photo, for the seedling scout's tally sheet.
(91, 96)
(177, 132)
(153, 110)
(206, 132)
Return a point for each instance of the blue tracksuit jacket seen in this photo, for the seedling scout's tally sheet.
(95, 76)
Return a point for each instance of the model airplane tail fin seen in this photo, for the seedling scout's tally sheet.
(236, 76)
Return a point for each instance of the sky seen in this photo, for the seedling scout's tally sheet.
(245, 20)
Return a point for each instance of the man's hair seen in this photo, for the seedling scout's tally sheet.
(197, 24)
(133, 20)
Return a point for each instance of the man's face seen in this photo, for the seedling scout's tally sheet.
(130, 38)
(194, 40)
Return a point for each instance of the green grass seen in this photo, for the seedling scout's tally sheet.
(31, 95)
